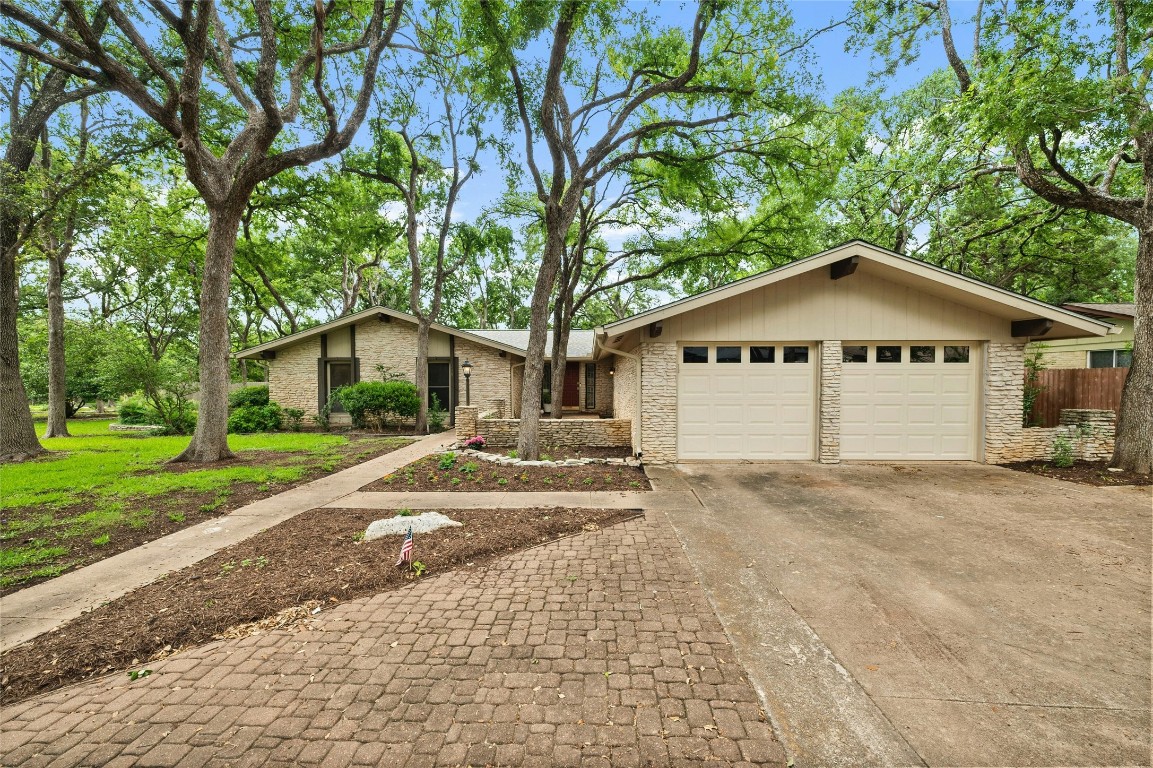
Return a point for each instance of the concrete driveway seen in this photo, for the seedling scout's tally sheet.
(944, 614)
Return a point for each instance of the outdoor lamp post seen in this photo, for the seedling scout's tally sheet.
(466, 368)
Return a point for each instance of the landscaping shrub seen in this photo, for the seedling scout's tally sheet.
(373, 404)
(247, 397)
(1062, 452)
(255, 418)
(136, 411)
(293, 419)
(436, 415)
(477, 442)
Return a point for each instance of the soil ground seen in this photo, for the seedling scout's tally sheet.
(150, 518)
(1084, 472)
(468, 475)
(278, 577)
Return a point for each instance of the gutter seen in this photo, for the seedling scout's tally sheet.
(637, 419)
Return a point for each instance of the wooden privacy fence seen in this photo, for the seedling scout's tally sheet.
(1097, 388)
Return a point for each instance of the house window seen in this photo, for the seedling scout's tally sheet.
(796, 354)
(956, 354)
(728, 354)
(888, 354)
(695, 355)
(761, 354)
(590, 386)
(854, 354)
(339, 375)
(922, 354)
(1110, 358)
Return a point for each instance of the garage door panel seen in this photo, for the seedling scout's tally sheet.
(908, 410)
(745, 410)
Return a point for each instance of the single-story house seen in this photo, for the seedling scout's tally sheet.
(305, 367)
(1112, 351)
(853, 353)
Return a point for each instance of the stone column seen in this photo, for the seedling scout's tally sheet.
(829, 438)
(658, 409)
(1004, 401)
(466, 420)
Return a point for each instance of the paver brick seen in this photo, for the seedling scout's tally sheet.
(513, 665)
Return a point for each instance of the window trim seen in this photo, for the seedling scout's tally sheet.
(687, 347)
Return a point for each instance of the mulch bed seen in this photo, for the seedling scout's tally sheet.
(276, 578)
(1084, 472)
(196, 507)
(470, 475)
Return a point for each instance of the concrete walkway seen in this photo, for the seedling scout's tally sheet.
(494, 499)
(43, 607)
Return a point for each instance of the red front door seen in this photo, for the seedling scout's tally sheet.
(572, 378)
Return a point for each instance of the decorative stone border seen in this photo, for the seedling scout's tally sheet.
(133, 427)
(496, 458)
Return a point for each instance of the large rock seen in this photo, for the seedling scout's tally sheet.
(399, 525)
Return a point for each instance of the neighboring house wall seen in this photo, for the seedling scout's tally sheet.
(1073, 353)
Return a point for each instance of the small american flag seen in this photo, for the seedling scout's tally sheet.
(406, 549)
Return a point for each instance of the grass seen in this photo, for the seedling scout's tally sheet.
(117, 479)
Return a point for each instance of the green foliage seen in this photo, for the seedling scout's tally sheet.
(436, 415)
(1034, 364)
(1062, 452)
(292, 419)
(255, 418)
(248, 397)
(447, 460)
(373, 404)
(133, 410)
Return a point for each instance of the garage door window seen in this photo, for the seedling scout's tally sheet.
(761, 354)
(956, 354)
(728, 354)
(922, 354)
(696, 354)
(796, 354)
(888, 354)
(854, 354)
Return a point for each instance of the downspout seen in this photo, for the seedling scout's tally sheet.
(637, 382)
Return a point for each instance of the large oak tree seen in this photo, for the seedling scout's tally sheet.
(225, 83)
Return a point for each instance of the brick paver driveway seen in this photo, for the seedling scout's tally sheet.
(596, 650)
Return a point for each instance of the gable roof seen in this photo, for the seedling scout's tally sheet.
(1102, 310)
(353, 319)
(580, 344)
(967, 290)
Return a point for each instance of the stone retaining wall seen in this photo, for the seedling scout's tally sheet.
(1090, 432)
(562, 433)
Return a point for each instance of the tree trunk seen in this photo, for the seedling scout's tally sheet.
(210, 440)
(422, 327)
(57, 384)
(1135, 416)
(528, 444)
(560, 334)
(17, 433)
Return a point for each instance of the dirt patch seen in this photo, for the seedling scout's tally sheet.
(147, 519)
(466, 475)
(277, 578)
(1084, 472)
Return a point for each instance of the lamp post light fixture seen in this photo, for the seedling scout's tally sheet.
(466, 368)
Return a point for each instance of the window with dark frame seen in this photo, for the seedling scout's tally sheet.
(795, 355)
(854, 354)
(695, 355)
(922, 354)
(762, 354)
(1110, 358)
(728, 354)
(956, 354)
(888, 354)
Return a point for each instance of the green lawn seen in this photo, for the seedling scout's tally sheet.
(98, 481)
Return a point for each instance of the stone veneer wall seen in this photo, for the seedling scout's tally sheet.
(624, 387)
(829, 435)
(1091, 433)
(658, 411)
(605, 386)
(554, 433)
(1004, 392)
(292, 375)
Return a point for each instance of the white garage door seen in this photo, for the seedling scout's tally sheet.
(746, 401)
(909, 401)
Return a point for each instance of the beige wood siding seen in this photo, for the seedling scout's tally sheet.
(811, 306)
